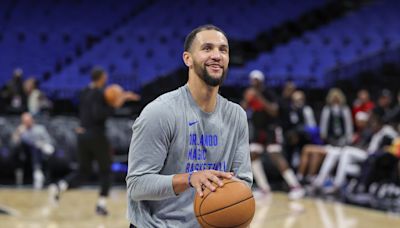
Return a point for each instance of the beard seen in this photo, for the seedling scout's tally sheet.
(206, 77)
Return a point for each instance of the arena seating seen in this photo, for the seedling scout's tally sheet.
(343, 42)
(40, 36)
(150, 45)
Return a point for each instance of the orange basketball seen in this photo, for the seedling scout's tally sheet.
(232, 205)
(112, 93)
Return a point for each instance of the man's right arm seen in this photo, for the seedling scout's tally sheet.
(151, 137)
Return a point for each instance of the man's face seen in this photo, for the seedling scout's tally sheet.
(363, 95)
(384, 101)
(256, 83)
(361, 124)
(103, 80)
(298, 99)
(210, 56)
(27, 120)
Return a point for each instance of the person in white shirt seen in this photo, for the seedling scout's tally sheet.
(32, 140)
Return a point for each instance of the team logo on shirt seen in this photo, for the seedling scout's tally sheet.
(199, 145)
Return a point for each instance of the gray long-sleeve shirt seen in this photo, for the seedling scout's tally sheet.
(173, 135)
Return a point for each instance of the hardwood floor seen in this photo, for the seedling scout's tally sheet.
(32, 209)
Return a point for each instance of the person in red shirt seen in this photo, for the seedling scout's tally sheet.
(262, 109)
(362, 103)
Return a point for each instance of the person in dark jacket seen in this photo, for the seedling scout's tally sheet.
(92, 141)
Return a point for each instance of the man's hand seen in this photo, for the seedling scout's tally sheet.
(205, 177)
(126, 96)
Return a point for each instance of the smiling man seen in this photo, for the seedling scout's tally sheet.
(187, 139)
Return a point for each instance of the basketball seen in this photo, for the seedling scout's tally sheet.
(232, 205)
(112, 93)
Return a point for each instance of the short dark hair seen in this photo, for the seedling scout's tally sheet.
(97, 73)
(190, 37)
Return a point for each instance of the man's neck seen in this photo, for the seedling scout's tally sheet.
(205, 96)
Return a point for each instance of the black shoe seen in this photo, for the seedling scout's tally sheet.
(102, 211)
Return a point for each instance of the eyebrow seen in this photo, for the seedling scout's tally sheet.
(211, 44)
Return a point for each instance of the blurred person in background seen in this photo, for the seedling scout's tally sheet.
(351, 156)
(298, 124)
(262, 109)
(13, 94)
(383, 104)
(381, 167)
(313, 155)
(31, 140)
(336, 130)
(336, 125)
(37, 102)
(362, 103)
(93, 144)
(286, 97)
(393, 115)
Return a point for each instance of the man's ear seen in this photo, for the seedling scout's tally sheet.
(187, 59)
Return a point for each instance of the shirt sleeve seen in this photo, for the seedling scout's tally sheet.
(151, 137)
(324, 122)
(44, 135)
(309, 117)
(241, 162)
(348, 124)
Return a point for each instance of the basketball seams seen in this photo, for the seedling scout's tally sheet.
(227, 206)
(201, 216)
(227, 226)
(205, 197)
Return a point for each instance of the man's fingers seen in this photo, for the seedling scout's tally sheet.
(228, 175)
(216, 180)
(209, 185)
(222, 174)
(207, 178)
(199, 190)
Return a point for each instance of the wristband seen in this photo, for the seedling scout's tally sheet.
(190, 176)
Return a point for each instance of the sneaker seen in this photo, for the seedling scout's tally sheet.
(102, 211)
(296, 193)
(38, 179)
(54, 193)
(260, 194)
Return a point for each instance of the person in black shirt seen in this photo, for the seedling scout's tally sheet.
(392, 116)
(92, 141)
(383, 104)
(13, 94)
(298, 123)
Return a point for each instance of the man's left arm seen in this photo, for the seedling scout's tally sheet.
(241, 162)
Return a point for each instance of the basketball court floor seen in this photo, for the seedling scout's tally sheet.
(27, 208)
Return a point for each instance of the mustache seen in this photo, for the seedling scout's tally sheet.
(214, 64)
